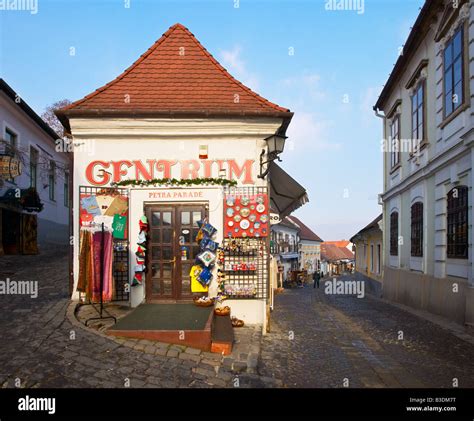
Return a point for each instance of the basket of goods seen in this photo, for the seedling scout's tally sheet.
(237, 322)
(222, 311)
(203, 301)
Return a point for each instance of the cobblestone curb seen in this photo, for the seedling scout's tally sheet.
(214, 369)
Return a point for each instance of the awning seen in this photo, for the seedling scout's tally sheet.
(286, 194)
(289, 255)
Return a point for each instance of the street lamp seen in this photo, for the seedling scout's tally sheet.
(275, 144)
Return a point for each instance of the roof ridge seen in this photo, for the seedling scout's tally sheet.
(263, 101)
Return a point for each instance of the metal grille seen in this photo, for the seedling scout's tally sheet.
(121, 248)
(240, 274)
(457, 223)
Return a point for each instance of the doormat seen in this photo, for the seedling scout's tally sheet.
(165, 317)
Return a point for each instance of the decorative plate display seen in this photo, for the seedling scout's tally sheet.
(244, 224)
(247, 214)
(244, 212)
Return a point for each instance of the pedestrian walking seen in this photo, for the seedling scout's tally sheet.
(316, 278)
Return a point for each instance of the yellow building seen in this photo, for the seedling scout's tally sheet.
(368, 244)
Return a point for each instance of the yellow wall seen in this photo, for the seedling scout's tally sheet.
(364, 262)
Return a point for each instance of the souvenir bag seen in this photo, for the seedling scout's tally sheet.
(206, 257)
(196, 285)
(205, 276)
(208, 244)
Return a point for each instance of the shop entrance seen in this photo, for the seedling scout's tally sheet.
(172, 249)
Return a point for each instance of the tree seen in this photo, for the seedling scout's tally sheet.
(50, 118)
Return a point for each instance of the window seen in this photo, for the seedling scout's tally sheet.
(394, 234)
(417, 116)
(12, 141)
(457, 240)
(395, 142)
(66, 190)
(417, 229)
(33, 167)
(453, 73)
(52, 179)
(372, 258)
(379, 258)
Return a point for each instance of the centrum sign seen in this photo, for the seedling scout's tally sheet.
(100, 173)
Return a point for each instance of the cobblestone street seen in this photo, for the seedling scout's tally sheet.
(344, 337)
(41, 348)
(316, 341)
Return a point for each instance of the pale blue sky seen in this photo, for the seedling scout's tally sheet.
(341, 60)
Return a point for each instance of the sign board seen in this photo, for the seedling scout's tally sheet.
(274, 219)
(10, 167)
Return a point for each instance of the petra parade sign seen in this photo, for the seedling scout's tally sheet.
(101, 173)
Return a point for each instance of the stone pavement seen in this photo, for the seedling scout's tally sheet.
(43, 345)
(320, 340)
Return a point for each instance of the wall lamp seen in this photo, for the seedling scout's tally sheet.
(275, 144)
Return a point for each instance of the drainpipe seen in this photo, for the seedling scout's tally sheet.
(384, 122)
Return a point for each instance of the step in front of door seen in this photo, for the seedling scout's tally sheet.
(222, 336)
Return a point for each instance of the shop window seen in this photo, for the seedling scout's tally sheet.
(454, 73)
(457, 220)
(395, 142)
(417, 116)
(417, 229)
(33, 167)
(394, 234)
(52, 179)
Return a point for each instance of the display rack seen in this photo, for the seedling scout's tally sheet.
(255, 254)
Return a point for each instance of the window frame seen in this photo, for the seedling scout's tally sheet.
(66, 191)
(34, 167)
(455, 212)
(417, 228)
(423, 139)
(52, 180)
(394, 142)
(394, 230)
(445, 70)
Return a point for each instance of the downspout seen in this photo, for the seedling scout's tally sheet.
(382, 265)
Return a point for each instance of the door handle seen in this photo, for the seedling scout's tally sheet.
(170, 261)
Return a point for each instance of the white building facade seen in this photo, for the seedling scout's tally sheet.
(44, 169)
(428, 160)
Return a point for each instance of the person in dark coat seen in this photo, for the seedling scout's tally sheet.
(316, 278)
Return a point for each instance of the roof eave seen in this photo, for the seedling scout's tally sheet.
(413, 41)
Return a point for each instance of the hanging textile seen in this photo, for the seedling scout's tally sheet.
(85, 262)
(107, 266)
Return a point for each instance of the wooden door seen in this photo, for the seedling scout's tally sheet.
(172, 249)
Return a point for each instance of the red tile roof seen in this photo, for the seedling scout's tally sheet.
(305, 232)
(176, 76)
(342, 243)
(330, 252)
